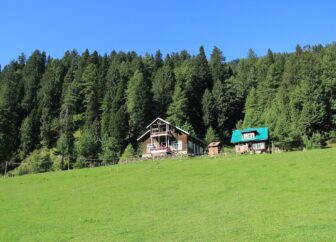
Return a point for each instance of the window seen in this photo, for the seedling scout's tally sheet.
(176, 145)
(248, 135)
(190, 145)
(149, 148)
(258, 146)
(179, 145)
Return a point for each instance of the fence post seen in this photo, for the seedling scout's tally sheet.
(6, 167)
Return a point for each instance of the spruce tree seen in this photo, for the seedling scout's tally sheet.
(90, 91)
(251, 119)
(139, 103)
(211, 136)
(162, 89)
(11, 88)
(209, 109)
(49, 102)
(32, 74)
(177, 112)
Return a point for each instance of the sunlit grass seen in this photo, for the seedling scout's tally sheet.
(280, 197)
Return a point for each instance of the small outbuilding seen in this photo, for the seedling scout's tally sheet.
(214, 148)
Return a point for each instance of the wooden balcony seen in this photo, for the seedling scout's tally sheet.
(160, 133)
(161, 150)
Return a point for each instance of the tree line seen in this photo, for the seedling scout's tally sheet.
(92, 106)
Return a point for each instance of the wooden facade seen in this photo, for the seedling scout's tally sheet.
(162, 138)
(214, 148)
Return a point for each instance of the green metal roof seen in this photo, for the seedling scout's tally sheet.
(261, 134)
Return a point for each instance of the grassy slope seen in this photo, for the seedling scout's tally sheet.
(289, 196)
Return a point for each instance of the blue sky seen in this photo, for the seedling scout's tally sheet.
(174, 25)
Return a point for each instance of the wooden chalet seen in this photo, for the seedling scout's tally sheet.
(252, 140)
(163, 138)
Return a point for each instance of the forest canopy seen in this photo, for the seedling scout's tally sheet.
(92, 106)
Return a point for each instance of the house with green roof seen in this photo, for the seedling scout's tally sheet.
(252, 140)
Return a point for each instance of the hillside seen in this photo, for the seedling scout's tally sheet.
(88, 106)
(280, 197)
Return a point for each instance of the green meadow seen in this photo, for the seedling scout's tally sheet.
(279, 197)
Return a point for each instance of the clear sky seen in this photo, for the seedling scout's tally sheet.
(171, 25)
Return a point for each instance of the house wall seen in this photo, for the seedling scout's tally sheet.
(198, 147)
(214, 150)
(175, 136)
(251, 146)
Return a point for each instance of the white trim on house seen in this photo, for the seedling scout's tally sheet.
(143, 135)
(165, 121)
(182, 130)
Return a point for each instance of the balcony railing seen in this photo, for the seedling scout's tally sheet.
(160, 133)
(159, 149)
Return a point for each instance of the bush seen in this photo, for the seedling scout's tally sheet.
(36, 162)
(80, 162)
(317, 141)
(23, 169)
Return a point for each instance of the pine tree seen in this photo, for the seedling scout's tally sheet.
(217, 65)
(211, 135)
(158, 60)
(209, 109)
(49, 101)
(87, 146)
(178, 110)
(251, 119)
(162, 89)
(90, 90)
(11, 88)
(64, 147)
(119, 128)
(32, 74)
(203, 71)
(328, 77)
(29, 133)
(110, 149)
(139, 103)
(129, 152)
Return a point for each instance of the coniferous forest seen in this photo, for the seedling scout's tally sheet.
(60, 113)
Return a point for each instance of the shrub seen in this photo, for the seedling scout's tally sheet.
(80, 162)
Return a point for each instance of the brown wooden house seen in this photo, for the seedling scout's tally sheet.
(163, 138)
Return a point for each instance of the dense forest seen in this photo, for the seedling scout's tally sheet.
(60, 113)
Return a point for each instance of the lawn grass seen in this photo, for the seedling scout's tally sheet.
(280, 197)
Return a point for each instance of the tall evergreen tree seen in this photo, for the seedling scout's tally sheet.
(49, 102)
(90, 90)
(209, 109)
(11, 90)
(139, 103)
(162, 89)
(32, 74)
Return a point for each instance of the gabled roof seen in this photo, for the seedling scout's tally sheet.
(249, 130)
(260, 134)
(158, 118)
(165, 121)
(214, 144)
(176, 127)
(143, 135)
